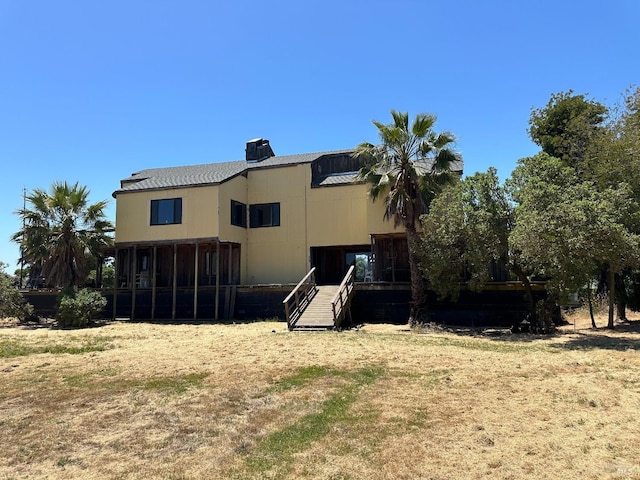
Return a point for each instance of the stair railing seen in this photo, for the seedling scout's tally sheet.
(299, 298)
(341, 303)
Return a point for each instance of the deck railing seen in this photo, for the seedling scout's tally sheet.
(299, 298)
(341, 303)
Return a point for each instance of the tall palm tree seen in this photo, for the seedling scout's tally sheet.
(60, 228)
(407, 170)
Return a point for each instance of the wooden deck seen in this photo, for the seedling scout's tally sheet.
(319, 313)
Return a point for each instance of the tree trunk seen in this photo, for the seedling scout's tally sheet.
(612, 297)
(528, 290)
(621, 304)
(418, 313)
(590, 300)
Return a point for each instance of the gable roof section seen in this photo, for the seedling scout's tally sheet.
(209, 173)
(346, 178)
(216, 173)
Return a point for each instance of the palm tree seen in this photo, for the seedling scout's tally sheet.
(60, 228)
(407, 170)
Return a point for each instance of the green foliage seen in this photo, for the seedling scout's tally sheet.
(78, 309)
(466, 230)
(12, 303)
(602, 146)
(61, 230)
(407, 170)
(613, 157)
(409, 167)
(443, 243)
(566, 127)
(108, 276)
(567, 229)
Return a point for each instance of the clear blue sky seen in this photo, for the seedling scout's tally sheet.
(91, 91)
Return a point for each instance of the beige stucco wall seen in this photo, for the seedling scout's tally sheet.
(344, 215)
(279, 254)
(309, 217)
(234, 189)
(199, 215)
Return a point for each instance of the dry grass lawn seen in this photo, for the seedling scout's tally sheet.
(184, 401)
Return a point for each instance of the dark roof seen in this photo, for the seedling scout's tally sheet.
(209, 173)
(216, 173)
(346, 178)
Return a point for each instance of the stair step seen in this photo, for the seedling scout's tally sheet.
(319, 313)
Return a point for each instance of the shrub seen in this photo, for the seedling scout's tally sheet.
(77, 309)
(12, 303)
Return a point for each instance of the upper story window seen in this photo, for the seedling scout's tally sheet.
(166, 211)
(264, 215)
(238, 214)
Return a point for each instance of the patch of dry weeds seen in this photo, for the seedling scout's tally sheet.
(255, 401)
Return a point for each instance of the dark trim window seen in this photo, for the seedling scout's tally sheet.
(264, 215)
(238, 214)
(166, 211)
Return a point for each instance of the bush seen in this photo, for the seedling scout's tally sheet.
(78, 309)
(12, 303)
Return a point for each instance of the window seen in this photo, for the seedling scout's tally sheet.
(264, 215)
(238, 214)
(166, 212)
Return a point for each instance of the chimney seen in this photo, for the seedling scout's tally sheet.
(258, 149)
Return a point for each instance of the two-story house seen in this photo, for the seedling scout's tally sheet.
(266, 219)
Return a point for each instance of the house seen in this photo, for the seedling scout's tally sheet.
(263, 220)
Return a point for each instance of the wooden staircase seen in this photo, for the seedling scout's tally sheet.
(309, 306)
(319, 313)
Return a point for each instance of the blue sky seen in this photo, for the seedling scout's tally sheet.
(91, 91)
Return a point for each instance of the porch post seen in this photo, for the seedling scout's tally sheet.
(217, 278)
(230, 264)
(195, 284)
(209, 269)
(153, 283)
(134, 282)
(175, 280)
(393, 263)
(115, 285)
(372, 260)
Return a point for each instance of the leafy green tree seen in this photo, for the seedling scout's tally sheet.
(466, 232)
(567, 127)
(567, 230)
(602, 145)
(407, 169)
(613, 155)
(61, 228)
(444, 254)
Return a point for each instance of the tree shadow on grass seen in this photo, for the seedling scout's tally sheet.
(625, 336)
(497, 334)
(204, 321)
